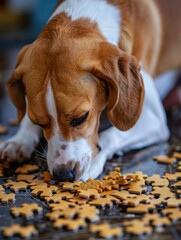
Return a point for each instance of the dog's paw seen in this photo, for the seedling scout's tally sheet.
(96, 167)
(15, 151)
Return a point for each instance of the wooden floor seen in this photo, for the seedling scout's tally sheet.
(131, 162)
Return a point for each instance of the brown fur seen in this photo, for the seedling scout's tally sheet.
(87, 73)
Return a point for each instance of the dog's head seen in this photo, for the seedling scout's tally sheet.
(68, 79)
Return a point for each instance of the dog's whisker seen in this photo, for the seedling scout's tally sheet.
(39, 152)
(42, 147)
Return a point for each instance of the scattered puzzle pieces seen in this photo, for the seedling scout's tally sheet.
(22, 231)
(26, 210)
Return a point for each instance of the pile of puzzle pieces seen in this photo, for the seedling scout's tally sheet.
(76, 205)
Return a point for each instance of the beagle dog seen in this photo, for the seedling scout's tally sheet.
(94, 55)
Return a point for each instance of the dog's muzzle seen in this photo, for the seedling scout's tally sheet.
(62, 174)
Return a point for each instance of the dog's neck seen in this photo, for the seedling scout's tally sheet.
(106, 16)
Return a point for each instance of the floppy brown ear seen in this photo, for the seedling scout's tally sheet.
(15, 86)
(125, 86)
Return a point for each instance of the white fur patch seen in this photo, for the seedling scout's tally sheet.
(107, 16)
(73, 154)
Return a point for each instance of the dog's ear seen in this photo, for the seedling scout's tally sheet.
(15, 86)
(125, 85)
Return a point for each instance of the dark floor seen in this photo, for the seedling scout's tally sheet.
(138, 160)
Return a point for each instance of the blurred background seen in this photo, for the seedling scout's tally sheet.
(20, 23)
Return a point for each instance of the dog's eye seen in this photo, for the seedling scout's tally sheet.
(78, 121)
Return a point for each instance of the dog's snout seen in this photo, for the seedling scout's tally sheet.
(62, 174)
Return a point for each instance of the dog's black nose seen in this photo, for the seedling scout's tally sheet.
(63, 175)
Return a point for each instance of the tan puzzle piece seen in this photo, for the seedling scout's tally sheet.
(46, 176)
(137, 227)
(35, 182)
(137, 200)
(105, 231)
(157, 201)
(90, 193)
(58, 197)
(70, 224)
(26, 210)
(43, 190)
(101, 202)
(156, 180)
(16, 186)
(163, 221)
(141, 208)
(78, 200)
(108, 193)
(67, 213)
(174, 214)
(112, 175)
(88, 213)
(179, 168)
(61, 205)
(1, 188)
(176, 185)
(24, 232)
(1, 171)
(70, 185)
(164, 159)
(27, 168)
(136, 187)
(109, 184)
(162, 192)
(5, 198)
(173, 202)
(122, 195)
(113, 199)
(176, 155)
(3, 129)
(25, 177)
(149, 217)
(173, 176)
(92, 184)
(141, 175)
